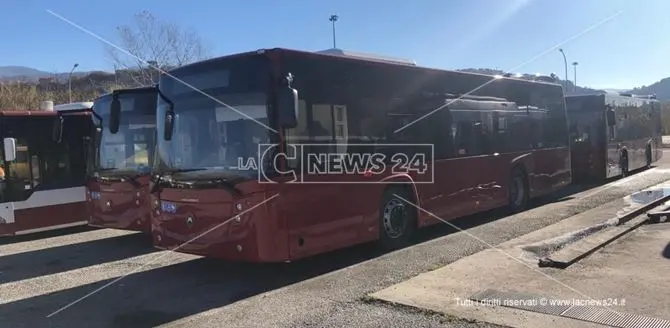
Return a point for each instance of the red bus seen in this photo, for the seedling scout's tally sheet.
(44, 169)
(500, 145)
(612, 135)
(118, 191)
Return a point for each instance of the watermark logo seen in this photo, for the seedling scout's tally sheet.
(320, 163)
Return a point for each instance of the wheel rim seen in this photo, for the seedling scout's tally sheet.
(394, 218)
(517, 192)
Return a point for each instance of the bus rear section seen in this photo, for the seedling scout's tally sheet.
(118, 188)
(44, 164)
(612, 135)
(264, 173)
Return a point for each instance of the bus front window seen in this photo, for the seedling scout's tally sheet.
(131, 148)
(209, 135)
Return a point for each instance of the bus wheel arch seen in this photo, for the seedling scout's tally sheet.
(398, 216)
(519, 189)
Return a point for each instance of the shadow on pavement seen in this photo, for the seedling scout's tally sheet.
(69, 257)
(169, 293)
(166, 294)
(46, 234)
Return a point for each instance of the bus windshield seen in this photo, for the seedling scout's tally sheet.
(211, 134)
(132, 147)
(220, 117)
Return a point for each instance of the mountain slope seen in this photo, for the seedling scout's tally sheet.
(660, 88)
(21, 71)
(29, 74)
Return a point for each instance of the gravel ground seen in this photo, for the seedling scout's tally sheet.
(38, 277)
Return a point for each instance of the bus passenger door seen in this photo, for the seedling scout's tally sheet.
(318, 206)
(481, 177)
(614, 144)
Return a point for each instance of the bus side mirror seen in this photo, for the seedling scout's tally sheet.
(287, 105)
(611, 118)
(115, 115)
(10, 149)
(169, 126)
(57, 130)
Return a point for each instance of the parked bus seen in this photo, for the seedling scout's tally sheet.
(499, 145)
(44, 167)
(612, 135)
(119, 187)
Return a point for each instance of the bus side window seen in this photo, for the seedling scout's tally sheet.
(24, 171)
(472, 135)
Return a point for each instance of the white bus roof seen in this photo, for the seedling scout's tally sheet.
(472, 104)
(347, 53)
(74, 106)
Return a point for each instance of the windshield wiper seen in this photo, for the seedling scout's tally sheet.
(132, 178)
(162, 173)
(228, 185)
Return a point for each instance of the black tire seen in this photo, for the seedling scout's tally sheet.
(518, 191)
(397, 219)
(623, 164)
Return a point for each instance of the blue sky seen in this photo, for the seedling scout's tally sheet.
(630, 50)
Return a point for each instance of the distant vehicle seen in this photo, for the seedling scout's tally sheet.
(119, 186)
(499, 145)
(612, 135)
(44, 167)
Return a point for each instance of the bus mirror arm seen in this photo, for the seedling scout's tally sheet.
(115, 115)
(287, 105)
(169, 125)
(611, 118)
(58, 129)
(10, 149)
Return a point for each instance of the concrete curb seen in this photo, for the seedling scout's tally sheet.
(587, 245)
(581, 249)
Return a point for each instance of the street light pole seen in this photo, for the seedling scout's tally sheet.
(565, 62)
(333, 19)
(574, 65)
(69, 81)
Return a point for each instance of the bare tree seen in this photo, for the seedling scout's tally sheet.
(155, 45)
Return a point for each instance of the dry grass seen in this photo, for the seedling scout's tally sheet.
(25, 96)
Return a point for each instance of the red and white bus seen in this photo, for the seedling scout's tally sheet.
(613, 134)
(44, 167)
(499, 145)
(118, 190)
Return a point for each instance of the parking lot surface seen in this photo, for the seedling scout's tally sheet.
(40, 276)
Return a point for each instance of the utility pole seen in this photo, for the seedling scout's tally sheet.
(574, 65)
(69, 81)
(565, 62)
(333, 19)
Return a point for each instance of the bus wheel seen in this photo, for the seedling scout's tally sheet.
(648, 156)
(518, 191)
(397, 221)
(623, 164)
